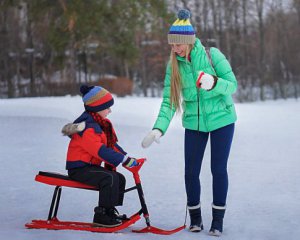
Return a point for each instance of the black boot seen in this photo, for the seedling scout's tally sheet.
(105, 217)
(216, 228)
(115, 213)
(196, 224)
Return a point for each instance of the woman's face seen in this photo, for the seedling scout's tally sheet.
(179, 49)
(104, 112)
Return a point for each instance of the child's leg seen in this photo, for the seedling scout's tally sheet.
(111, 184)
(122, 183)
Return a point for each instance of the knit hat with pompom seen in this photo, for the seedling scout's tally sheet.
(182, 31)
(96, 98)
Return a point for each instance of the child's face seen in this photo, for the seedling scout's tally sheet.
(104, 112)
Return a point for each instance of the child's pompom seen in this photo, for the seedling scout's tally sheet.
(184, 14)
(84, 89)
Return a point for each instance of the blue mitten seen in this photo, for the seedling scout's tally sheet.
(130, 162)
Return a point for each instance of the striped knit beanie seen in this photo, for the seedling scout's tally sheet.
(96, 98)
(182, 31)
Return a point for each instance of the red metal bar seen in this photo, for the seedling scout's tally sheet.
(155, 230)
(55, 224)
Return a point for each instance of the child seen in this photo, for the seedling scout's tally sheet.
(93, 141)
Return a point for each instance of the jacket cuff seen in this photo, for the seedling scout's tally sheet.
(125, 158)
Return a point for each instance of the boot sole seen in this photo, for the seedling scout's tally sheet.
(105, 225)
(196, 228)
(215, 233)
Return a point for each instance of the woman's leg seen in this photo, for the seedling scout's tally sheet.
(194, 147)
(220, 147)
(221, 140)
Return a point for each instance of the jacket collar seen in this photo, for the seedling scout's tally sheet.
(196, 49)
(89, 121)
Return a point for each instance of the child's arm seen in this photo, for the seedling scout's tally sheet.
(92, 143)
(119, 149)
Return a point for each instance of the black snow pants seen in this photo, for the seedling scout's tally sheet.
(111, 184)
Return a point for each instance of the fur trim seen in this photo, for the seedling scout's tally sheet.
(72, 128)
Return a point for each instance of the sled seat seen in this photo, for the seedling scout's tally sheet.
(61, 180)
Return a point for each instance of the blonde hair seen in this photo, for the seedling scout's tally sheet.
(176, 83)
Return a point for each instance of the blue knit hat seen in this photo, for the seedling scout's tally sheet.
(96, 98)
(182, 31)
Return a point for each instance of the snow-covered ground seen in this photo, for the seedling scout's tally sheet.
(264, 170)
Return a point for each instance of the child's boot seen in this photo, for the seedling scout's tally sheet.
(196, 224)
(216, 228)
(115, 213)
(104, 217)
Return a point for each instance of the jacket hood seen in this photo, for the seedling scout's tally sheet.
(89, 122)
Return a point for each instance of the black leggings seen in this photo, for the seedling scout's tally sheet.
(195, 144)
(111, 184)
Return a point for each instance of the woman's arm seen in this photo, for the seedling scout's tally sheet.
(227, 83)
(166, 113)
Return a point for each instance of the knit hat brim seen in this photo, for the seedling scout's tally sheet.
(96, 98)
(181, 39)
(100, 107)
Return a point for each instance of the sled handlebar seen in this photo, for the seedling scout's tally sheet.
(135, 170)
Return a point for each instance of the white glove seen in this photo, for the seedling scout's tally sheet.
(206, 81)
(72, 128)
(154, 135)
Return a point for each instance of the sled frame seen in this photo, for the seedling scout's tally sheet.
(56, 200)
(60, 181)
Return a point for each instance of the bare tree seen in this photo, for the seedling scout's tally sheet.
(296, 5)
(4, 53)
(259, 4)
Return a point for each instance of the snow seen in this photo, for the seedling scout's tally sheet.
(264, 170)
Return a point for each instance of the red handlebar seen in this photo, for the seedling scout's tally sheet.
(135, 170)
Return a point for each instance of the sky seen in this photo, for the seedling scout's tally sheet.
(264, 170)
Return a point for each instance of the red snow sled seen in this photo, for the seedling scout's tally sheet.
(60, 181)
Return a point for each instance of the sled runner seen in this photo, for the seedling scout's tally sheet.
(60, 180)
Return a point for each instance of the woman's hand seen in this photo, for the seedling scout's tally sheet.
(154, 135)
(206, 81)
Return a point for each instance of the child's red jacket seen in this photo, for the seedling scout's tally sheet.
(89, 147)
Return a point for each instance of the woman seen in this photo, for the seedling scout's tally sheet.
(208, 110)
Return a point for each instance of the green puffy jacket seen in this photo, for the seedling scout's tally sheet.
(202, 110)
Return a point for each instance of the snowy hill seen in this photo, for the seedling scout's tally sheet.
(264, 170)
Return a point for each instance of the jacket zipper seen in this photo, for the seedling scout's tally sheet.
(198, 92)
(198, 100)
(204, 112)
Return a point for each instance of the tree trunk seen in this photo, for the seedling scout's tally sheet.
(259, 8)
